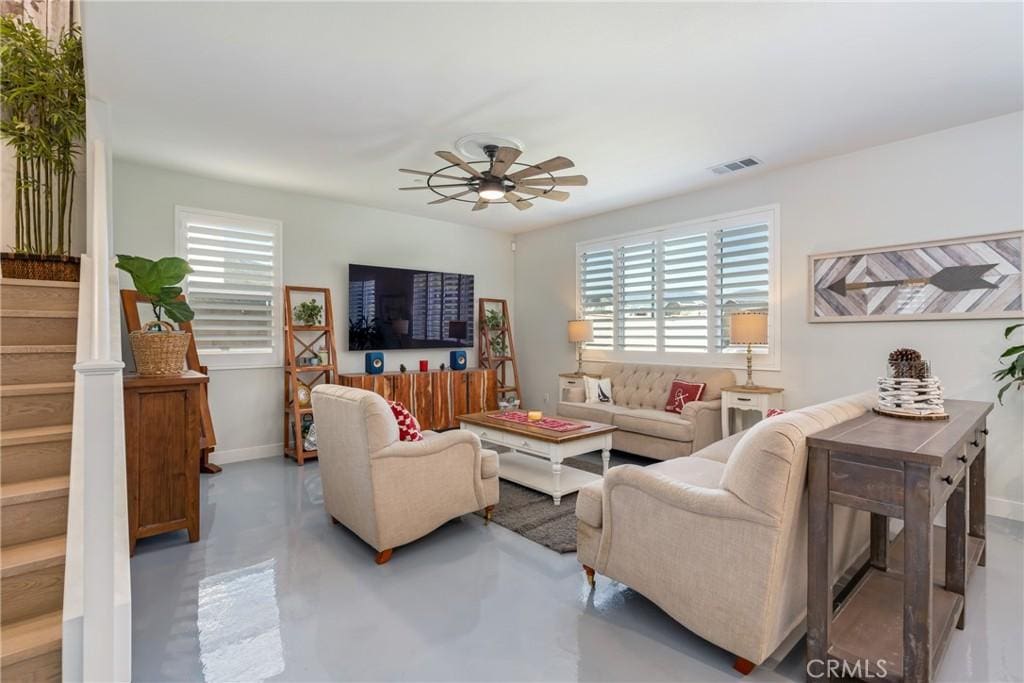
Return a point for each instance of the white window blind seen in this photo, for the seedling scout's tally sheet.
(234, 288)
(672, 290)
(597, 290)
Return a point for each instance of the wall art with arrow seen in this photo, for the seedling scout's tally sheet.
(970, 277)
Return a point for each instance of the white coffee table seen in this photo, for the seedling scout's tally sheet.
(535, 455)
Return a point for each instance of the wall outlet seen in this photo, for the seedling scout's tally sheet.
(546, 397)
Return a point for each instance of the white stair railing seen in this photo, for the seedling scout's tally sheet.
(97, 583)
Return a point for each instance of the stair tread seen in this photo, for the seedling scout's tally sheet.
(29, 435)
(33, 555)
(38, 348)
(35, 313)
(21, 282)
(33, 489)
(31, 637)
(36, 389)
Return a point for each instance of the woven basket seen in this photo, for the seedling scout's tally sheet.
(40, 267)
(160, 353)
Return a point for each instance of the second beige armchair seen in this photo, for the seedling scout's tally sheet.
(390, 492)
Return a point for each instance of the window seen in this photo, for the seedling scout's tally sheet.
(235, 286)
(656, 294)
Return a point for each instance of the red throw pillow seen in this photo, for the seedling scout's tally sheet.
(408, 427)
(772, 412)
(681, 393)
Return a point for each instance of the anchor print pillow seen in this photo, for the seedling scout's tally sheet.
(598, 390)
(681, 393)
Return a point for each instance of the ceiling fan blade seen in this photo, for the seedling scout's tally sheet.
(481, 204)
(427, 187)
(550, 166)
(428, 173)
(453, 159)
(515, 200)
(557, 180)
(503, 158)
(442, 200)
(557, 195)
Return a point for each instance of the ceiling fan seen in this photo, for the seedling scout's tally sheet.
(500, 179)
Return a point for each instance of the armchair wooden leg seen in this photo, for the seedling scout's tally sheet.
(334, 521)
(383, 556)
(488, 513)
(590, 575)
(744, 666)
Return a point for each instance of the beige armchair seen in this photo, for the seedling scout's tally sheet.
(390, 492)
(719, 540)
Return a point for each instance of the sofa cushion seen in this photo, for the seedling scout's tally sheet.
(488, 463)
(647, 386)
(655, 423)
(588, 503)
(595, 412)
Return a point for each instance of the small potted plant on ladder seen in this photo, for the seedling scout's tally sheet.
(158, 348)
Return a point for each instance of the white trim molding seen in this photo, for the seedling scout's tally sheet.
(233, 455)
(1005, 508)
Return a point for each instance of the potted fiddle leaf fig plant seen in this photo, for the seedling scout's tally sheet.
(1014, 368)
(158, 348)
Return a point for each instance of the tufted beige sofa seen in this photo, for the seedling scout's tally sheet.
(639, 394)
(719, 540)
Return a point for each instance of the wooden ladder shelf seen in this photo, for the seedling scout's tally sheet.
(304, 346)
(496, 350)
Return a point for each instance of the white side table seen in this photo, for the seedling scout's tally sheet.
(761, 399)
(569, 381)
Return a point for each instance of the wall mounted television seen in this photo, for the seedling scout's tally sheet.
(396, 308)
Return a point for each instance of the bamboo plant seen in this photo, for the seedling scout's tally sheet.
(42, 96)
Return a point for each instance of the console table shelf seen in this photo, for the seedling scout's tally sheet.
(896, 622)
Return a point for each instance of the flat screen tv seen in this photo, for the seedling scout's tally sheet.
(396, 308)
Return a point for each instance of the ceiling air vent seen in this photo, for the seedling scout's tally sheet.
(733, 166)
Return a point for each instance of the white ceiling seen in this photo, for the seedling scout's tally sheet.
(332, 98)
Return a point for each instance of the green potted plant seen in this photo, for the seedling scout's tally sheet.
(1013, 357)
(42, 99)
(308, 313)
(495, 321)
(158, 348)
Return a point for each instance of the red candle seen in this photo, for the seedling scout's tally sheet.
(423, 366)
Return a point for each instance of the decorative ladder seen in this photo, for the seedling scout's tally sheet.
(295, 374)
(497, 350)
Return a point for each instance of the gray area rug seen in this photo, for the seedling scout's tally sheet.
(535, 516)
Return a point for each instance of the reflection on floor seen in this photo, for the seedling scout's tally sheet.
(273, 591)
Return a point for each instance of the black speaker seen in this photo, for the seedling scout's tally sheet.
(457, 360)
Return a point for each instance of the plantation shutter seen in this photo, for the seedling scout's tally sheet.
(636, 297)
(742, 274)
(684, 297)
(596, 292)
(232, 288)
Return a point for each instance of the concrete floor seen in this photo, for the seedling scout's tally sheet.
(273, 591)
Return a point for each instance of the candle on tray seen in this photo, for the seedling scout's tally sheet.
(534, 416)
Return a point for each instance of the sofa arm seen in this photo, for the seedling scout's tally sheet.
(706, 417)
(699, 500)
(434, 443)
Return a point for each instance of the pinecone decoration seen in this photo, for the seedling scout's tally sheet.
(907, 363)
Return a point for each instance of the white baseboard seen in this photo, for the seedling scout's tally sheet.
(219, 457)
(1001, 507)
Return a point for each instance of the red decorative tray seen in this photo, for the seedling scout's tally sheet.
(550, 423)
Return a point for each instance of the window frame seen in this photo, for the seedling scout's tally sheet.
(240, 360)
(767, 359)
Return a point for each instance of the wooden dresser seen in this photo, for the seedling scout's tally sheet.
(435, 397)
(897, 618)
(162, 436)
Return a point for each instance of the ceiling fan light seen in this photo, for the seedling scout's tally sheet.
(491, 189)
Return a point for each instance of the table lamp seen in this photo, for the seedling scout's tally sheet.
(748, 327)
(580, 331)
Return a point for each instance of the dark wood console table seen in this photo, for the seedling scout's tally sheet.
(162, 424)
(896, 621)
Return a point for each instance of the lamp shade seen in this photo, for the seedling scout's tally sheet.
(748, 327)
(581, 330)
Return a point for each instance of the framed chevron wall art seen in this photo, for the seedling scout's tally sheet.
(969, 277)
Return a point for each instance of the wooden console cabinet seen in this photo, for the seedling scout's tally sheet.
(435, 397)
(162, 437)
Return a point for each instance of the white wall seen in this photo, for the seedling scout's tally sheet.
(321, 237)
(959, 182)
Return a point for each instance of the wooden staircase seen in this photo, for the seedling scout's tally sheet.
(38, 323)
